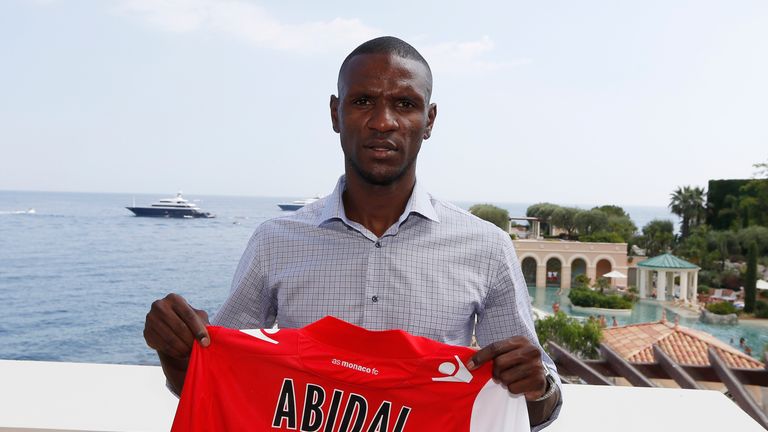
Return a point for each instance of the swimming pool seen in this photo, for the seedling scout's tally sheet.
(755, 335)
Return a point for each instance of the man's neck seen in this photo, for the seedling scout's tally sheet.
(376, 207)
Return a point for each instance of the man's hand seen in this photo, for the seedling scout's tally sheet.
(171, 327)
(516, 364)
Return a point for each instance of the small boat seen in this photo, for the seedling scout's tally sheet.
(17, 212)
(171, 208)
(295, 205)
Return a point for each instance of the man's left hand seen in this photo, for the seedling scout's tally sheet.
(516, 364)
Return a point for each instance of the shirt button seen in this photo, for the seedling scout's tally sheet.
(378, 244)
(375, 299)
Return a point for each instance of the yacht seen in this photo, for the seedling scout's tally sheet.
(171, 208)
(295, 205)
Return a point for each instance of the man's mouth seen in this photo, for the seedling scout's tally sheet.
(381, 147)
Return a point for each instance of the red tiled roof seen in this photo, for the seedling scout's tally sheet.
(684, 345)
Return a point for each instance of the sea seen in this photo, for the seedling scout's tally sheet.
(80, 272)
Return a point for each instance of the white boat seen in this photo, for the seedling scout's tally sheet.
(295, 205)
(177, 207)
(18, 212)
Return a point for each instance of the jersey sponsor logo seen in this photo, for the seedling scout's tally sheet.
(456, 373)
(318, 416)
(261, 334)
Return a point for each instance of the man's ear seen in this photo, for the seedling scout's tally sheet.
(431, 115)
(335, 113)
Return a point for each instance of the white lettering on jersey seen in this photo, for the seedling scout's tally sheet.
(261, 334)
(456, 374)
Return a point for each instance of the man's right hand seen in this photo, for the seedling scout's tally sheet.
(171, 327)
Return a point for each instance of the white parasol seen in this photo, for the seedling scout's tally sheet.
(615, 275)
(762, 285)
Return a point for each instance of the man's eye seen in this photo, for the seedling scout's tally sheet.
(361, 101)
(406, 104)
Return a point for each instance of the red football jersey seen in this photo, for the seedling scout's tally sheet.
(332, 376)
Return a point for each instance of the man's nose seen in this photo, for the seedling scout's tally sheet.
(383, 119)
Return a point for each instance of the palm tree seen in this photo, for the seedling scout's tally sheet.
(688, 203)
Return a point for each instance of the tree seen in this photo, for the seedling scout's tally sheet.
(544, 212)
(762, 170)
(750, 283)
(565, 218)
(617, 229)
(602, 283)
(591, 221)
(623, 226)
(696, 247)
(612, 210)
(582, 281)
(753, 202)
(756, 234)
(688, 203)
(657, 237)
(495, 215)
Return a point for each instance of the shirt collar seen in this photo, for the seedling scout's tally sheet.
(420, 202)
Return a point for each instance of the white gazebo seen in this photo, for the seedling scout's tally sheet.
(667, 266)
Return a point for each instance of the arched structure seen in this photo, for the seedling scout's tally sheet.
(575, 258)
(554, 272)
(529, 266)
(578, 268)
(602, 267)
(667, 267)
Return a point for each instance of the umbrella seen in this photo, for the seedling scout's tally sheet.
(762, 285)
(615, 275)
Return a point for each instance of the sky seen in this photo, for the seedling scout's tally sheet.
(589, 102)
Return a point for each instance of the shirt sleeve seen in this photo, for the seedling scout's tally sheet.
(250, 303)
(507, 312)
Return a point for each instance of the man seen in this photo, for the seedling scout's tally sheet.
(379, 251)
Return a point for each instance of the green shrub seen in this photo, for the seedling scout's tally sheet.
(585, 297)
(722, 308)
(761, 309)
(580, 338)
(582, 281)
(702, 289)
(602, 237)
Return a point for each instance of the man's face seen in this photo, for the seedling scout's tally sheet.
(382, 114)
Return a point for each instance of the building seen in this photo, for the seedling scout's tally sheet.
(557, 263)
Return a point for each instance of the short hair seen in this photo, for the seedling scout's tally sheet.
(389, 45)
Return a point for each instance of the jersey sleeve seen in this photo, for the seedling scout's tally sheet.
(249, 304)
(497, 410)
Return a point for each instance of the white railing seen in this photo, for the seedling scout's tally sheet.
(48, 396)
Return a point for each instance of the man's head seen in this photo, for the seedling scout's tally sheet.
(383, 110)
(388, 45)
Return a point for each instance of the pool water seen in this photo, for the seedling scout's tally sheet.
(755, 335)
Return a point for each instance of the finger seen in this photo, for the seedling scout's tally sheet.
(203, 316)
(525, 357)
(521, 373)
(492, 351)
(193, 322)
(163, 339)
(532, 388)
